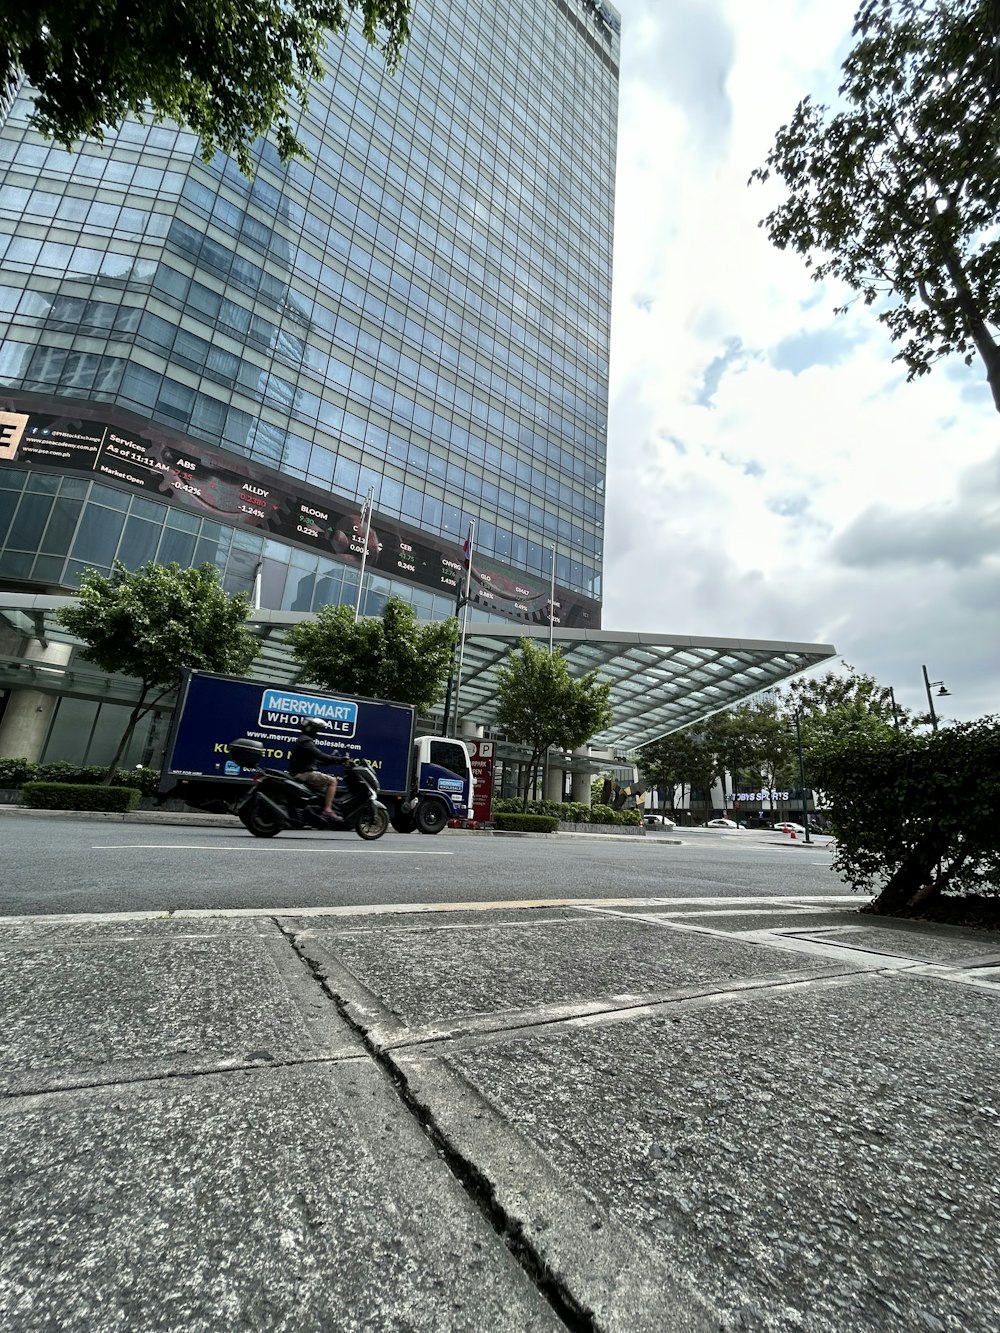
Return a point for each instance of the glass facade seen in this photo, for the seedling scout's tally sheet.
(422, 308)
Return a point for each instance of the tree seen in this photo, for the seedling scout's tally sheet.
(539, 704)
(897, 194)
(229, 72)
(668, 762)
(156, 622)
(837, 706)
(751, 741)
(680, 759)
(731, 735)
(387, 657)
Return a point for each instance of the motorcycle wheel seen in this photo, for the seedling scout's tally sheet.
(372, 824)
(403, 821)
(260, 823)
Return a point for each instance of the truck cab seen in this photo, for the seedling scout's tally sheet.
(442, 786)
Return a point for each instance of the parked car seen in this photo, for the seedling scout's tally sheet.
(722, 823)
(652, 819)
(788, 828)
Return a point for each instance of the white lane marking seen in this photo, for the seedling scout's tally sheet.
(247, 847)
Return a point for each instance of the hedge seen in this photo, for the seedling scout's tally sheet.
(78, 796)
(526, 823)
(16, 772)
(568, 812)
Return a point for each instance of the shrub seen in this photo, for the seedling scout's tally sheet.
(916, 816)
(16, 772)
(78, 796)
(526, 823)
(569, 812)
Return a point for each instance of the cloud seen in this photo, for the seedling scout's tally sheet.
(686, 48)
(962, 533)
(770, 472)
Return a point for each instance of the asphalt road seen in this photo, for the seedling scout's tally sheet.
(53, 866)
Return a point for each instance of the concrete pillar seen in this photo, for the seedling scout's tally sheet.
(581, 792)
(554, 781)
(28, 713)
(468, 730)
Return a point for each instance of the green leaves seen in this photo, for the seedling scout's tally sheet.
(540, 704)
(160, 619)
(391, 657)
(230, 72)
(156, 622)
(897, 193)
(916, 812)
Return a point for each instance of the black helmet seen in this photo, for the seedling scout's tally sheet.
(312, 725)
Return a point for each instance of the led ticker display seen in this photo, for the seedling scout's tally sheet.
(217, 485)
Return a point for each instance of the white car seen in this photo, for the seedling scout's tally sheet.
(653, 819)
(788, 828)
(722, 823)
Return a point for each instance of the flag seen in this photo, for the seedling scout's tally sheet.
(467, 550)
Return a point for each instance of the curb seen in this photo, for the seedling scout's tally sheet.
(193, 819)
(133, 817)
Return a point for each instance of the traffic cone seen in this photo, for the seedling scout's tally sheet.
(791, 834)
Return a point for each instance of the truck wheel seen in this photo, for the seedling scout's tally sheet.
(372, 824)
(403, 821)
(431, 816)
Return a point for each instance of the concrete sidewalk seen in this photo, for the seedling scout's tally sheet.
(742, 1114)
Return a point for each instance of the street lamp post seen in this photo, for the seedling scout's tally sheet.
(802, 777)
(942, 694)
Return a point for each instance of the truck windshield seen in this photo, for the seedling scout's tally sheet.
(450, 756)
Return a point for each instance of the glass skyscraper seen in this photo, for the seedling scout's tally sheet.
(197, 367)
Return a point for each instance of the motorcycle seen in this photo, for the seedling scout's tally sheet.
(276, 801)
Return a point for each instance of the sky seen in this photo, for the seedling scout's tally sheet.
(771, 473)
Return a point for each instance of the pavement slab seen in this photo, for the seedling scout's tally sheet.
(89, 1007)
(821, 1158)
(272, 1199)
(433, 974)
(759, 918)
(928, 944)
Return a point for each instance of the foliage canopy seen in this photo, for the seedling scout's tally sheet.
(153, 623)
(387, 657)
(229, 72)
(897, 194)
(916, 815)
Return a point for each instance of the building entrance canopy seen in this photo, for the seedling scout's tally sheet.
(659, 682)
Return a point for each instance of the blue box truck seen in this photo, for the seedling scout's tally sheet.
(425, 780)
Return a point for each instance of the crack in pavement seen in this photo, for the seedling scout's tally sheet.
(477, 1187)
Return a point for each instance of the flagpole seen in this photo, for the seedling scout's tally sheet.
(369, 501)
(465, 617)
(552, 599)
(552, 621)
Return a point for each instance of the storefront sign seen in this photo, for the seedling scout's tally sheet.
(482, 755)
(761, 796)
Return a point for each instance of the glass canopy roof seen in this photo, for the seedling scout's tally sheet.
(659, 682)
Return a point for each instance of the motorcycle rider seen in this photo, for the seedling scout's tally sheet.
(303, 766)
